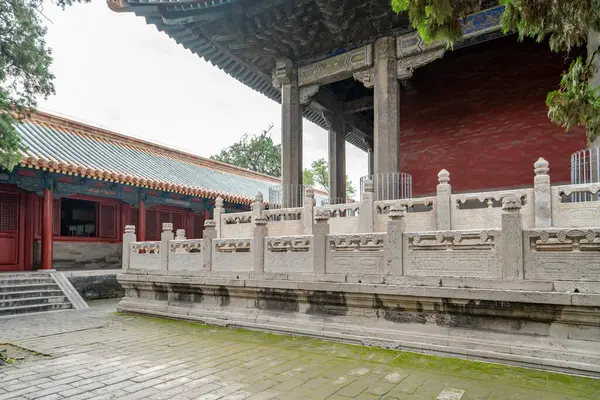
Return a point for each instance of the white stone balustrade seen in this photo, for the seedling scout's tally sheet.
(568, 212)
(510, 235)
(343, 218)
(145, 256)
(232, 255)
(420, 215)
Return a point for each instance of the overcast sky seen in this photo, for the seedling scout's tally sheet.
(115, 71)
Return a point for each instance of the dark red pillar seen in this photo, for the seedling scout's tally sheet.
(141, 234)
(47, 230)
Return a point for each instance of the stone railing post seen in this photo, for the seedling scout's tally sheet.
(308, 211)
(208, 235)
(394, 243)
(320, 232)
(217, 212)
(258, 206)
(511, 243)
(366, 208)
(542, 194)
(443, 200)
(165, 236)
(180, 234)
(128, 238)
(259, 234)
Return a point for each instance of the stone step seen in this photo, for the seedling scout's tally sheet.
(4, 281)
(34, 308)
(28, 287)
(30, 293)
(32, 301)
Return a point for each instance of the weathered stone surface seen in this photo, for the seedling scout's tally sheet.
(387, 107)
(96, 285)
(72, 255)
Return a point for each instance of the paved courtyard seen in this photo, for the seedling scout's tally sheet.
(98, 354)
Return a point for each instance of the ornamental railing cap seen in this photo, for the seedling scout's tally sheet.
(541, 167)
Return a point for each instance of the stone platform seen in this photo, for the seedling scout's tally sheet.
(510, 276)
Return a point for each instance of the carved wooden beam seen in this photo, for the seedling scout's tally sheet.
(406, 66)
(324, 101)
(358, 105)
(336, 68)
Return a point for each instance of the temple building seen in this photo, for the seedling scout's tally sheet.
(360, 71)
(66, 204)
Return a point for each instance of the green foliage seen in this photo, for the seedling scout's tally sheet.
(24, 69)
(563, 23)
(254, 152)
(576, 103)
(318, 175)
(437, 20)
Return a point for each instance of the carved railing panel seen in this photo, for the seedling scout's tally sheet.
(289, 254)
(567, 212)
(484, 210)
(461, 254)
(145, 255)
(343, 218)
(562, 254)
(232, 255)
(285, 221)
(355, 254)
(185, 254)
(236, 225)
(420, 214)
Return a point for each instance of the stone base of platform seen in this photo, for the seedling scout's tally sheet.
(96, 284)
(527, 326)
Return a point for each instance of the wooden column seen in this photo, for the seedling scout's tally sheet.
(47, 229)
(141, 235)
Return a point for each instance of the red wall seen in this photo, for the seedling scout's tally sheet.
(480, 113)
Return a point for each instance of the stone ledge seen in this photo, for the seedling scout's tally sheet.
(523, 296)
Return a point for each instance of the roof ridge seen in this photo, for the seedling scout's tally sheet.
(46, 117)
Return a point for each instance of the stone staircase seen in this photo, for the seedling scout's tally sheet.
(30, 292)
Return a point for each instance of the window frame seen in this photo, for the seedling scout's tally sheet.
(96, 239)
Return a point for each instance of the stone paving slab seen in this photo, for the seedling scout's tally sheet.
(99, 354)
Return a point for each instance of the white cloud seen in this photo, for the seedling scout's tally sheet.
(116, 71)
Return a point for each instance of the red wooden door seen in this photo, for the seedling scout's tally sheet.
(11, 230)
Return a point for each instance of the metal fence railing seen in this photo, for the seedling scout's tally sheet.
(286, 196)
(585, 168)
(389, 185)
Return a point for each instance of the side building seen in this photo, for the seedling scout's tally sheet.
(65, 205)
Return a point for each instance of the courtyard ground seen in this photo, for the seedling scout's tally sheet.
(99, 354)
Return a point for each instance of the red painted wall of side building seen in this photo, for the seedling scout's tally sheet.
(480, 113)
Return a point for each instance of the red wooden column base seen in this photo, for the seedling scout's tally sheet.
(141, 234)
(47, 230)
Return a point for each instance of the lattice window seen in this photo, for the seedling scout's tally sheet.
(134, 218)
(152, 225)
(108, 221)
(198, 226)
(165, 216)
(56, 217)
(177, 221)
(9, 205)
